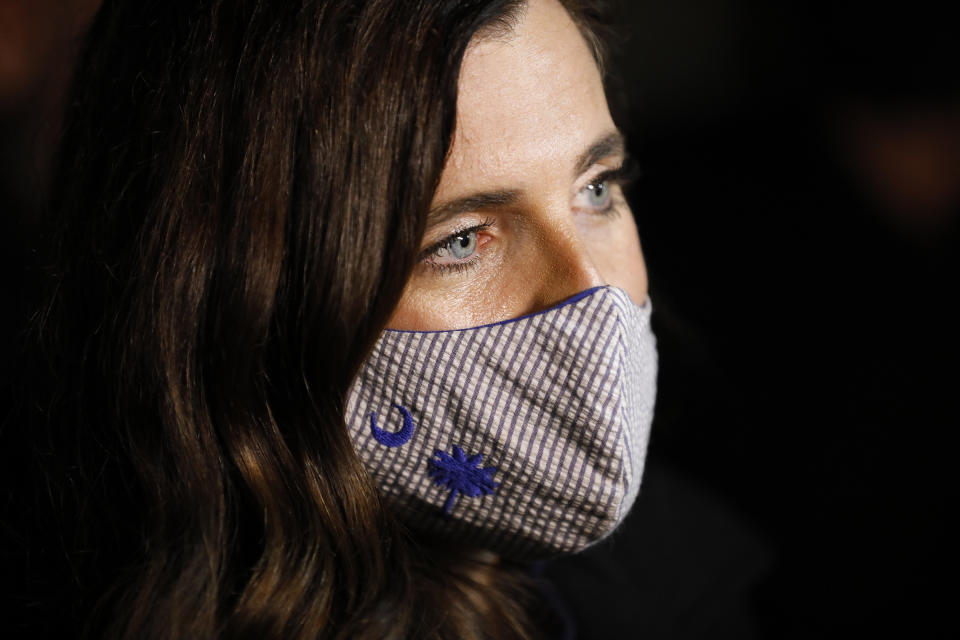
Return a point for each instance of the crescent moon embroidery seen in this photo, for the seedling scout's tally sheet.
(389, 438)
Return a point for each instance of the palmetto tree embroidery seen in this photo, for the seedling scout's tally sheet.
(462, 475)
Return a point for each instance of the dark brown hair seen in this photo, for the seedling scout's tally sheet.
(240, 198)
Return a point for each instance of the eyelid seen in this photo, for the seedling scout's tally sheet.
(613, 177)
(627, 172)
(431, 249)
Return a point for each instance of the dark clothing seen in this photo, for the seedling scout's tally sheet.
(684, 565)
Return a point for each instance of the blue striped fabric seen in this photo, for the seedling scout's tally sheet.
(559, 403)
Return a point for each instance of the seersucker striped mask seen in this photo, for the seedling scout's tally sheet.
(526, 437)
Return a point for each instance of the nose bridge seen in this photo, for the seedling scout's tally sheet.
(568, 265)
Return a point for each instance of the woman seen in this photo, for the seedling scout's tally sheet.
(248, 195)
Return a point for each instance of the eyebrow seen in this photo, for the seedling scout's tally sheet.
(476, 202)
(607, 145)
(611, 144)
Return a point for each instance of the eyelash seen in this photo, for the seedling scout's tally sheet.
(620, 177)
(458, 267)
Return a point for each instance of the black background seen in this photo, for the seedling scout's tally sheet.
(805, 305)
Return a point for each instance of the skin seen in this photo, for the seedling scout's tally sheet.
(531, 106)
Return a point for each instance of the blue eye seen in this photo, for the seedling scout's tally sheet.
(457, 251)
(598, 194)
(463, 245)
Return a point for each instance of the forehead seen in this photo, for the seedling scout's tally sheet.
(527, 100)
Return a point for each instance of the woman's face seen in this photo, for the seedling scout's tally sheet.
(528, 211)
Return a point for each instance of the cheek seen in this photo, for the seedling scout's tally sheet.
(485, 296)
(619, 258)
(428, 310)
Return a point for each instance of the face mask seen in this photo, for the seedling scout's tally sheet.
(526, 437)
